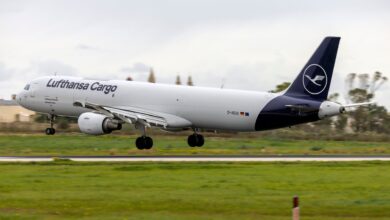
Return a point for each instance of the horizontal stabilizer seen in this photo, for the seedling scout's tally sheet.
(358, 104)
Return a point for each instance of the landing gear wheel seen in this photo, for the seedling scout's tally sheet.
(139, 143)
(200, 140)
(144, 142)
(148, 143)
(191, 140)
(195, 140)
(50, 131)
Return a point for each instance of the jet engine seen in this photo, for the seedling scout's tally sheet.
(328, 109)
(97, 124)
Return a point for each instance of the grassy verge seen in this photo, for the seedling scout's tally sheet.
(78, 144)
(68, 190)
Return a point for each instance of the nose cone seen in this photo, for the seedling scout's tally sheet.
(18, 98)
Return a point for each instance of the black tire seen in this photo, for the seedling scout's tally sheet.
(200, 140)
(191, 140)
(148, 143)
(140, 143)
(48, 131)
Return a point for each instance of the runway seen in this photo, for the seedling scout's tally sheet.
(274, 158)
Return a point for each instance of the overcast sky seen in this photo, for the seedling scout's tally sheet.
(243, 44)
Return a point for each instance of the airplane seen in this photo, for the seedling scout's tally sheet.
(103, 106)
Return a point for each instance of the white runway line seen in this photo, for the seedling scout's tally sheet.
(200, 159)
(225, 159)
(17, 159)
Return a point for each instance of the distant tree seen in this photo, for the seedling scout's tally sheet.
(178, 81)
(151, 77)
(189, 81)
(362, 88)
(129, 78)
(378, 119)
(63, 123)
(333, 97)
(40, 118)
(341, 122)
(281, 87)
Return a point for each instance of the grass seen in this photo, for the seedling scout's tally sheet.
(79, 144)
(70, 190)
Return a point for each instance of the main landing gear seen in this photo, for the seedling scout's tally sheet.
(143, 142)
(51, 130)
(146, 142)
(195, 140)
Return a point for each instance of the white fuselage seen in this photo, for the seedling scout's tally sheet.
(208, 108)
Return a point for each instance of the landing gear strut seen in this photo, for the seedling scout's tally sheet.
(51, 130)
(195, 140)
(143, 142)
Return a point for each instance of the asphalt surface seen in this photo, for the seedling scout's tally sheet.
(275, 158)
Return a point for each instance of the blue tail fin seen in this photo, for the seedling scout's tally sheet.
(313, 81)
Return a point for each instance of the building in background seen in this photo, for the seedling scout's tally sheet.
(11, 111)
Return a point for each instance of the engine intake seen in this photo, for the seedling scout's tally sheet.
(97, 124)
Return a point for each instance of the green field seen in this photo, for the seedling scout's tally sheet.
(69, 190)
(79, 144)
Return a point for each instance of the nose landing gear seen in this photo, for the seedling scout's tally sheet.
(51, 130)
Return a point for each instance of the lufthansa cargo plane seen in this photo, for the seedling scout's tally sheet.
(103, 106)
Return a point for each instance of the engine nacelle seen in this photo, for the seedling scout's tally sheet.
(97, 124)
(328, 109)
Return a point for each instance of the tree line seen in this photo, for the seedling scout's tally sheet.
(152, 79)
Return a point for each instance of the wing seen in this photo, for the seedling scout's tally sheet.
(134, 115)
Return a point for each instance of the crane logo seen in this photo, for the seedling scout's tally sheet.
(314, 79)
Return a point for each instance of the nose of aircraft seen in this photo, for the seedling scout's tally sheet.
(18, 98)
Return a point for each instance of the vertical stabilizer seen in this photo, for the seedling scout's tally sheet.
(313, 81)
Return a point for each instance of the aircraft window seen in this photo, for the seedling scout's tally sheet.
(27, 87)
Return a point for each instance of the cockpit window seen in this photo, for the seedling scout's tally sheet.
(27, 87)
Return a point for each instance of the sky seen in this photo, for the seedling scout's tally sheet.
(246, 44)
